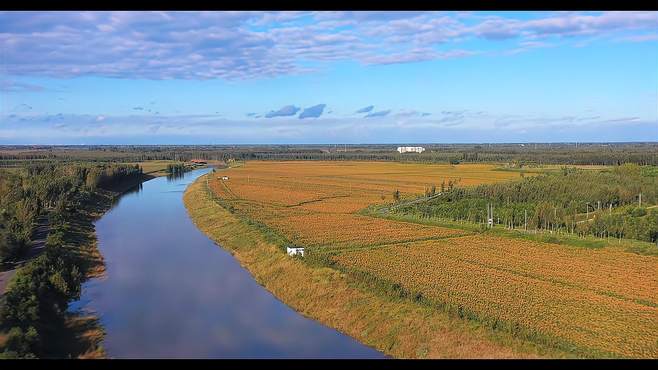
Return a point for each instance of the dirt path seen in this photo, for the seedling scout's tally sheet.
(38, 243)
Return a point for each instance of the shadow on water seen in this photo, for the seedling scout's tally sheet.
(170, 292)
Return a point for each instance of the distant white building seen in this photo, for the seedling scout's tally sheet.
(410, 149)
(293, 251)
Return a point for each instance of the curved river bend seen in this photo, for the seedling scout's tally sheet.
(170, 292)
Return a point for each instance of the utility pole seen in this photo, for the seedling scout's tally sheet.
(640, 202)
(526, 220)
(490, 216)
(573, 225)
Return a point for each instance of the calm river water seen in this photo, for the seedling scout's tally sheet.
(170, 292)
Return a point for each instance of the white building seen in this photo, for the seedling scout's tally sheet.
(224, 177)
(411, 149)
(293, 251)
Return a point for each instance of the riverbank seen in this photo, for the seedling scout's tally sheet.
(73, 334)
(81, 334)
(395, 326)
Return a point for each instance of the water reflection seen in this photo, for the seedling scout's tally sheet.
(172, 177)
(134, 189)
(170, 292)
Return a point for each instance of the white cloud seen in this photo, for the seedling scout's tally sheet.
(246, 45)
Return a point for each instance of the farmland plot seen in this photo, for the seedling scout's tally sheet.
(598, 301)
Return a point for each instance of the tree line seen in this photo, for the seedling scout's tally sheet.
(176, 169)
(537, 154)
(610, 203)
(38, 295)
(38, 188)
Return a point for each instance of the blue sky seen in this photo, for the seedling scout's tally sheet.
(301, 77)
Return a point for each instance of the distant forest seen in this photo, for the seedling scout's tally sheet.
(524, 154)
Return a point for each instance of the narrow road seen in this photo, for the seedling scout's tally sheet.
(38, 243)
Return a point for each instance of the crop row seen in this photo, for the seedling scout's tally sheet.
(491, 289)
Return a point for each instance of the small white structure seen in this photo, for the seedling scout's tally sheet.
(224, 177)
(410, 149)
(293, 251)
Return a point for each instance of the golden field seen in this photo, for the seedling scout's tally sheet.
(313, 203)
(598, 301)
(582, 296)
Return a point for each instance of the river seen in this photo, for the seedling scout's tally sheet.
(171, 292)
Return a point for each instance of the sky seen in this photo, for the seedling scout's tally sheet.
(327, 77)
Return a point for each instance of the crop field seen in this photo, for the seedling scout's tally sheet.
(599, 301)
(313, 203)
(605, 300)
(317, 229)
(291, 183)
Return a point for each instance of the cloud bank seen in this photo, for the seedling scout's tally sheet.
(203, 45)
(466, 126)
